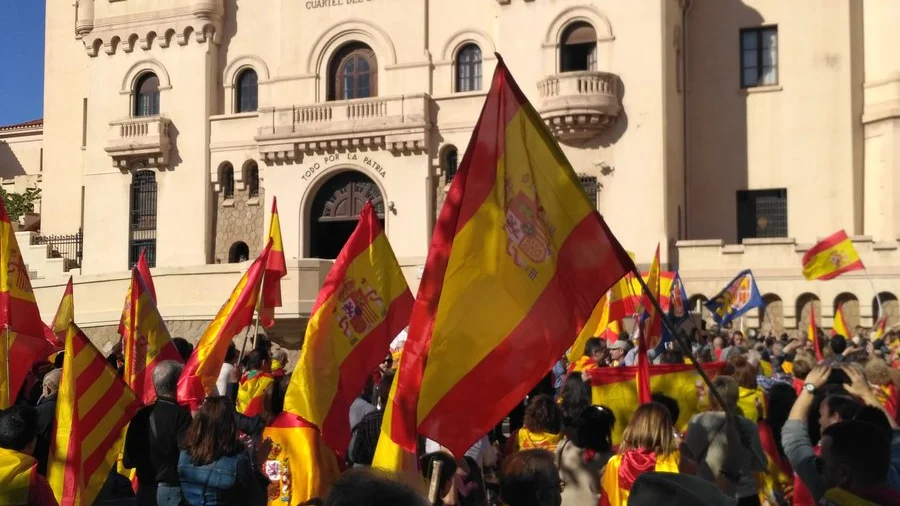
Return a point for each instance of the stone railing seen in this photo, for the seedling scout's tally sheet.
(143, 140)
(578, 105)
(398, 123)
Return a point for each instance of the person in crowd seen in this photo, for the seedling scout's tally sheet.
(582, 454)
(559, 375)
(671, 406)
(364, 487)
(541, 428)
(255, 391)
(777, 483)
(838, 345)
(855, 462)
(595, 355)
(728, 448)
(227, 382)
(648, 444)
(574, 398)
(879, 375)
(737, 346)
(364, 435)
(718, 346)
(669, 489)
(800, 368)
(361, 406)
(617, 351)
(184, 347)
(214, 467)
(20, 483)
(631, 356)
(46, 414)
(752, 399)
(153, 439)
(530, 478)
(279, 361)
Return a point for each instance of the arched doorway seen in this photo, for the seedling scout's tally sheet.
(335, 211)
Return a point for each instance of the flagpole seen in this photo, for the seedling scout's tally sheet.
(877, 298)
(9, 396)
(685, 346)
(256, 325)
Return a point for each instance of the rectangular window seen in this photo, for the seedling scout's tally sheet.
(590, 185)
(759, 56)
(143, 218)
(762, 213)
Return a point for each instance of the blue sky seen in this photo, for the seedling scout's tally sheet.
(22, 55)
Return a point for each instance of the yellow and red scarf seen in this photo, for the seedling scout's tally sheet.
(527, 440)
(622, 470)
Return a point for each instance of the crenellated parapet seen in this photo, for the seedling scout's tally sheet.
(111, 26)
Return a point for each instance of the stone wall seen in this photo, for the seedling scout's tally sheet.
(239, 219)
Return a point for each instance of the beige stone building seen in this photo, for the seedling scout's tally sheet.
(735, 133)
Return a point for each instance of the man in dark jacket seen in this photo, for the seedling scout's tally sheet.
(46, 413)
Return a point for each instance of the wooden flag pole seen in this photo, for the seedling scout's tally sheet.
(9, 395)
(877, 297)
(434, 488)
(256, 325)
(685, 346)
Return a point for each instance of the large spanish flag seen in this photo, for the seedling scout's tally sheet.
(146, 341)
(202, 370)
(276, 268)
(596, 323)
(65, 314)
(24, 338)
(92, 409)
(840, 327)
(616, 388)
(300, 465)
(364, 303)
(518, 260)
(831, 257)
(143, 269)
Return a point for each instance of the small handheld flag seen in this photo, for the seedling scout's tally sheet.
(831, 257)
(738, 297)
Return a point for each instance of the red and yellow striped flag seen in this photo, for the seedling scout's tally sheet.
(840, 327)
(146, 340)
(518, 260)
(300, 466)
(24, 337)
(812, 333)
(831, 257)
(364, 303)
(616, 388)
(65, 314)
(143, 269)
(276, 268)
(93, 407)
(651, 330)
(202, 370)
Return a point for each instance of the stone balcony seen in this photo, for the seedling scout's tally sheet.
(577, 106)
(399, 124)
(140, 141)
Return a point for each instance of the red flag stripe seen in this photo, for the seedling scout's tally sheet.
(99, 410)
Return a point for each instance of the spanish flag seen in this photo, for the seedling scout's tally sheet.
(389, 456)
(812, 332)
(623, 299)
(17, 473)
(93, 407)
(276, 268)
(597, 323)
(840, 327)
(300, 465)
(143, 269)
(251, 396)
(364, 303)
(831, 257)
(24, 338)
(65, 314)
(651, 331)
(146, 340)
(202, 370)
(518, 261)
(880, 327)
(616, 388)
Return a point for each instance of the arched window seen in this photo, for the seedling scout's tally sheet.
(578, 48)
(246, 99)
(239, 252)
(450, 162)
(253, 180)
(146, 96)
(468, 68)
(228, 181)
(353, 72)
(142, 233)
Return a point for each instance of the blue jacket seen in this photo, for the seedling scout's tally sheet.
(227, 481)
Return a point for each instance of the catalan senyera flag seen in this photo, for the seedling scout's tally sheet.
(23, 335)
(812, 333)
(651, 330)
(198, 380)
(364, 303)
(143, 269)
(93, 407)
(840, 327)
(389, 456)
(65, 314)
(831, 257)
(300, 466)
(616, 388)
(518, 260)
(146, 341)
(276, 268)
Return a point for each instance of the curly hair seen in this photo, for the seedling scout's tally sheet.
(542, 415)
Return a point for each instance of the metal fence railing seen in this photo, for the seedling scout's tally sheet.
(65, 246)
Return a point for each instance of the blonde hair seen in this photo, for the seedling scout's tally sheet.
(650, 429)
(878, 372)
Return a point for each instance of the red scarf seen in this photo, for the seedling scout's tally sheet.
(635, 463)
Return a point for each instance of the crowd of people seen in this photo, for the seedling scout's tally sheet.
(779, 426)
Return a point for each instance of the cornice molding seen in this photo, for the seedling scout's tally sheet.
(202, 22)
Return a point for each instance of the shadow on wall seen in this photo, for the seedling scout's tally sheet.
(10, 166)
(716, 129)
